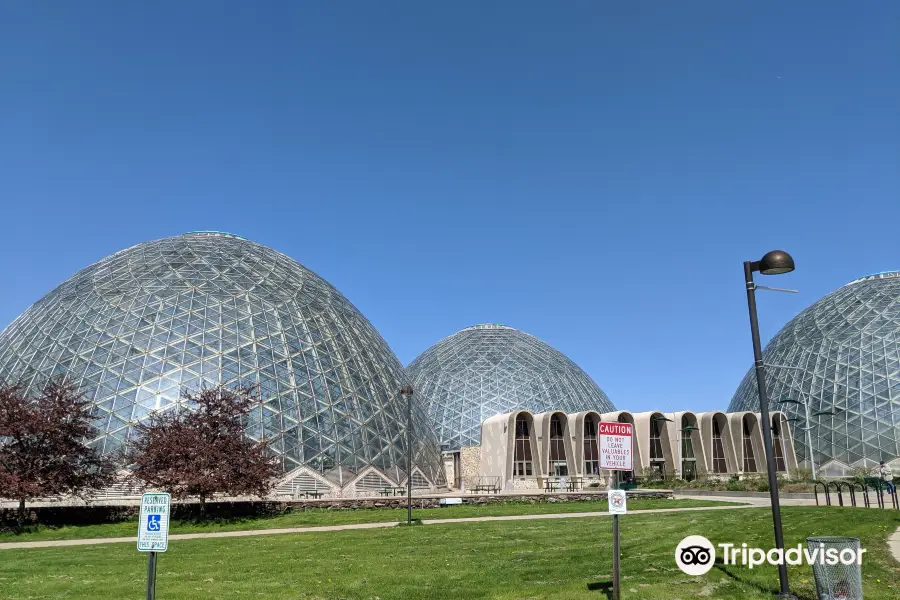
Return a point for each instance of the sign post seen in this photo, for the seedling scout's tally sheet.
(615, 456)
(153, 533)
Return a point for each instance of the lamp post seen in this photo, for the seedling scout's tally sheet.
(407, 392)
(775, 262)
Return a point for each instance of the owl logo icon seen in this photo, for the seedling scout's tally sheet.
(695, 555)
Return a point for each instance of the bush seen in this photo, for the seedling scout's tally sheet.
(802, 475)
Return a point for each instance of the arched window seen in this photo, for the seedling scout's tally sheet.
(777, 445)
(591, 449)
(558, 465)
(522, 456)
(749, 458)
(719, 464)
(628, 475)
(688, 460)
(657, 458)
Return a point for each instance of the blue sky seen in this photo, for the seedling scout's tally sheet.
(593, 173)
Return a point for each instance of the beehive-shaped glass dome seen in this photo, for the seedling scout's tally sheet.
(487, 370)
(844, 354)
(203, 309)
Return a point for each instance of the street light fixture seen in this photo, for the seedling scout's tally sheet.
(407, 392)
(775, 262)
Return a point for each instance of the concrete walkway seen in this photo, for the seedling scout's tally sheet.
(754, 500)
(894, 544)
(226, 534)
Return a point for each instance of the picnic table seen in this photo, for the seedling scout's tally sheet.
(487, 484)
(574, 484)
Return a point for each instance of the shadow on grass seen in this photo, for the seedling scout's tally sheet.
(602, 586)
(729, 572)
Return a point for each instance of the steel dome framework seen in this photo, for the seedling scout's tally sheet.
(206, 308)
(844, 358)
(487, 370)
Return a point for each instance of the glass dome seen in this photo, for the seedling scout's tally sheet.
(488, 370)
(210, 308)
(844, 359)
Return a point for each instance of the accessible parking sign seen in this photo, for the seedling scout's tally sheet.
(153, 526)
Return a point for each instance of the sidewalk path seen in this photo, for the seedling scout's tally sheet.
(225, 534)
(894, 544)
(754, 500)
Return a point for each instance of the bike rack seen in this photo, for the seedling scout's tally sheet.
(892, 501)
(837, 488)
(816, 485)
(840, 486)
(864, 491)
(879, 494)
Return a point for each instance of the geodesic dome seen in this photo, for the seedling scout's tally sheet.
(844, 351)
(207, 308)
(487, 370)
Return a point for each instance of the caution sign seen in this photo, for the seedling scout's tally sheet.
(153, 525)
(615, 446)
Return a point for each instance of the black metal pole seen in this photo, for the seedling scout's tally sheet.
(151, 576)
(766, 428)
(616, 566)
(409, 467)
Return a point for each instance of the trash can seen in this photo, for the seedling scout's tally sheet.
(839, 581)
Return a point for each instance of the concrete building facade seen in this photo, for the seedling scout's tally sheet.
(523, 450)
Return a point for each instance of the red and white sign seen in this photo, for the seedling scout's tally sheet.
(615, 446)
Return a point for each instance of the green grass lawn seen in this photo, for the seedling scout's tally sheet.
(318, 517)
(563, 559)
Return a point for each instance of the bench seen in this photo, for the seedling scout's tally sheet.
(486, 483)
(486, 487)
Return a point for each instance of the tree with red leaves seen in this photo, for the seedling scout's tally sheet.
(42, 445)
(201, 450)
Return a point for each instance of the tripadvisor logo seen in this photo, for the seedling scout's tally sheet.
(695, 555)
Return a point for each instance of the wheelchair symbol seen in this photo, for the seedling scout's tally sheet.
(154, 522)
